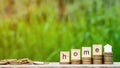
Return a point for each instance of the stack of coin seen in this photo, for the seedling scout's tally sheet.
(8, 61)
(108, 58)
(16, 62)
(86, 60)
(97, 59)
(25, 61)
(12, 61)
(3, 62)
(75, 61)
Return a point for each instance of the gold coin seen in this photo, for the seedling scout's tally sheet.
(75, 61)
(108, 62)
(86, 62)
(97, 55)
(64, 62)
(86, 59)
(108, 54)
(97, 61)
(97, 58)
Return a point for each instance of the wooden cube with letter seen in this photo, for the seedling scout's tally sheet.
(97, 49)
(75, 56)
(86, 55)
(97, 54)
(108, 54)
(64, 57)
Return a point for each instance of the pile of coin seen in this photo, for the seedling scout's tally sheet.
(25, 61)
(75, 61)
(8, 61)
(3, 62)
(97, 59)
(86, 60)
(108, 58)
(16, 62)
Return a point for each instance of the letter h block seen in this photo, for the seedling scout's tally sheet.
(64, 57)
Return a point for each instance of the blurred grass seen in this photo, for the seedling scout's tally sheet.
(88, 22)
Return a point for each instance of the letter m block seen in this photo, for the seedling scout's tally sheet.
(86, 51)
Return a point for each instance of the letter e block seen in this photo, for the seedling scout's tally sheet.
(97, 49)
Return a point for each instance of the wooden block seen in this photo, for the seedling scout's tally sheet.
(97, 49)
(75, 54)
(108, 48)
(64, 57)
(86, 51)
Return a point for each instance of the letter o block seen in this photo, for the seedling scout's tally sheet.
(75, 54)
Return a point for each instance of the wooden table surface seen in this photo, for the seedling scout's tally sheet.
(57, 65)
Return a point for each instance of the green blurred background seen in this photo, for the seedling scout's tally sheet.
(40, 29)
